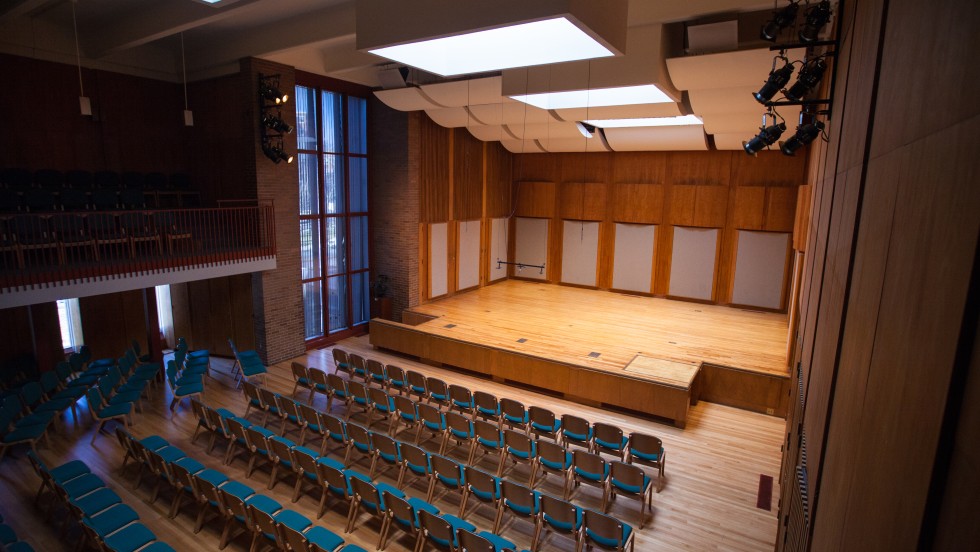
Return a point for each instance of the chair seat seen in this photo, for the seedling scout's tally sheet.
(225, 413)
(112, 519)
(541, 427)
(499, 543)
(27, 433)
(214, 477)
(115, 410)
(456, 524)
(327, 461)
(419, 505)
(633, 488)
(382, 487)
(611, 445)
(130, 538)
(567, 527)
(238, 490)
(95, 502)
(649, 457)
(154, 442)
(607, 542)
(7, 534)
(191, 465)
(158, 546)
(69, 470)
(171, 454)
(293, 520)
(324, 538)
(556, 465)
(82, 485)
(184, 390)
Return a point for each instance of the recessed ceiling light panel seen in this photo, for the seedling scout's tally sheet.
(536, 43)
(682, 120)
(598, 97)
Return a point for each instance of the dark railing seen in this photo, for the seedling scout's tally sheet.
(43, 248)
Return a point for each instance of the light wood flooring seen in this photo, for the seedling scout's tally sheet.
(566, 324)
(708, 501)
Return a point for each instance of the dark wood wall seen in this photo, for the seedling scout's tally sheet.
(209, 312)
(889, 301)
(110, 322)
(31, 339)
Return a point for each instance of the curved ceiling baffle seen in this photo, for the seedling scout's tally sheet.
(719, 88)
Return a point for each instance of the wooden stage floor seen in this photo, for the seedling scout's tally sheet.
(567, 324)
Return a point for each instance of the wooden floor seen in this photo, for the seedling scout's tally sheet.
(708, 502)
(566, 324)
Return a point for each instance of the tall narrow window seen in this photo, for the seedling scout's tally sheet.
(71, 324)
(333, 209)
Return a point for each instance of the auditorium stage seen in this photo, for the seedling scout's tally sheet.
(601, 347)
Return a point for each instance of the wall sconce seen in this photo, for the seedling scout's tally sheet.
(271, 125)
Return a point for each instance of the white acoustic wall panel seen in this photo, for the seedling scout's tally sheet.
(438, 260)
(672, 138)
(469, 254)
(692, 262)
(579, 252)
(633, 257)
(760, 269)
(499, 229)
(531, 239)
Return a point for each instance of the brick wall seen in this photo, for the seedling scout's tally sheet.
(277, 297)
(394, 196)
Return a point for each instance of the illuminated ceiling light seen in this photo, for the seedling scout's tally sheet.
(683, 120)
(780, 20)
(777, 79)
(808, 79)
(456, 38)
(766, 137)
(805, 133)
(587, 130)
(816, 18)
(621, 95)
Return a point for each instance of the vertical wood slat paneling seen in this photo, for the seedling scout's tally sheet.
(499, 180)
(434, 171)
(467, 176)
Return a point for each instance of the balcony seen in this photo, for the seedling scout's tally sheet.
(47, 256)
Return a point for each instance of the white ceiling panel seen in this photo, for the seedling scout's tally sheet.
(405, 99)
(450, 117)
(725, 70)
(465, 92)
(522, 146)
(539, 131)
(723, 123)
(567, 145)
(510, 112)
(489, 133)
(725, 100)
(730, 141)
(638, 111)
(678, 138)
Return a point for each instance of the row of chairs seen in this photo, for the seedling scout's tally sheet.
(569, 429)
(388, 502)
(248, 365)
(235, 503)
(107, 522)
(22, 179)
(9, 540)
(72, 200)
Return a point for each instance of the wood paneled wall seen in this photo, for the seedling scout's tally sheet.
(725, 190)
(31, 338)
(208, 312)
(112, 321)
(889, 296)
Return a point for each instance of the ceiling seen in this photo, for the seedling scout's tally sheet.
(143, 37)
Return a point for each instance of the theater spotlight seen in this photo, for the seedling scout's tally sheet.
(816, 18)
(780, 20)
(805, 133)
(777, 80)
(276, 124)
(809, 77)
(767, 134)
(270, 92)
(276, 152)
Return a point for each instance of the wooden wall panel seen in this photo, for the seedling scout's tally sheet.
(801, 224)
(713, 168)
(780, 209)
(31, 334)
(535, 199)
(640, 167)
(537, 167)
(499, 164)
(769, 168)
(750, 207)
(710, 206)
(467, 176)
(208, 312)
(17, 343)
(681, 205)
(592, 167)
(434, 171)
(582, 201)
(637, 203)
(110, 322)
(47, 335)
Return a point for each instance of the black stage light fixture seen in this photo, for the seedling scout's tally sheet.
(276, 123)
(270, 92)
(777, 80)
(276, 152)
(805, 133)
(780, 20)
(807, 80)
(766, 137)
(816, 18)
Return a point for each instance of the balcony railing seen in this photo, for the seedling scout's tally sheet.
(39, 249)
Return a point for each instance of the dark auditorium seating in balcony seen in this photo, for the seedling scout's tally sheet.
(79, 180)
(37, 200)
(74, 199)
(49, 179)
(131, 179)
(106, 180)
(105, 199)
(16, 179)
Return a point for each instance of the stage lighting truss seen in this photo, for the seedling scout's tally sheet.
(272, 127)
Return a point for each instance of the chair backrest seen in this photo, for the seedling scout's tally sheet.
(268, 396)
(449, 471)
(519, 444)
(332, 478)
(607, 528)
(554, 454)
(295, 541)
(432, 416)
(31, 393)
(560, 514)
(417, 383)
(416, 456)
(184, 480)
(300, 371)
(460, 426)
(337, 384)
(575, 429)
(311, 418)
(198, 409)
(234, 505)
(367, 492)
(471, 542)
(461, 396)
(542, 420)
(290, 408)
(215, 421)
(396, 375)
(359, 435)
(608, 433)
(280, 449)
(513, 411)
(483, 482)
(340, 359)
(386, 446)
(627, 476)
(237, 430)
(256, 441)
(436, 528)
(406, 406)
(645, 447)
(261, 521)
(319, 377)
(94, 400)
(376, 369)
(488, 434)
(358, 390)
(399, 508)
(436, 386)
(519, 498)
(336, 428)
(304, 460)
(588, 466)
(486, 404)
(379, 398)
(357, 363)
